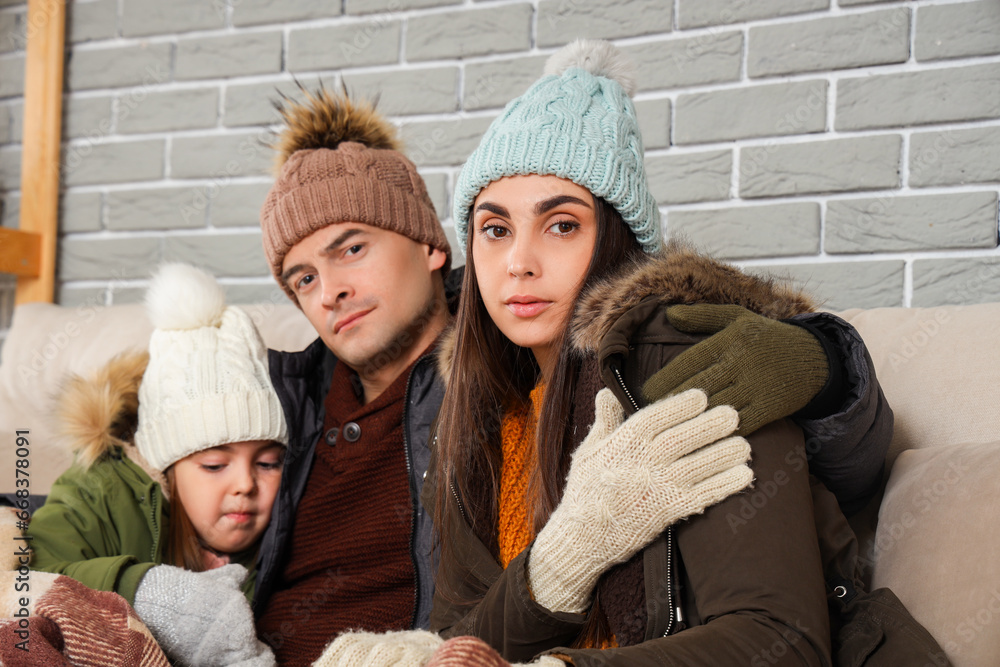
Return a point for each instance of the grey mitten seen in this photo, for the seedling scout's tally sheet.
(201, 618)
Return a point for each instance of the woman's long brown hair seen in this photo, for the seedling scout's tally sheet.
(490, 375)
(183, 548)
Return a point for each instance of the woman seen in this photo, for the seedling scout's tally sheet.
(565, 292)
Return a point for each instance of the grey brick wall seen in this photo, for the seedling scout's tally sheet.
(850, 145)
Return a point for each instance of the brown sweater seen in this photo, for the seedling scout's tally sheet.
(350, 564)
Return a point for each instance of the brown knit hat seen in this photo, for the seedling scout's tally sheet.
(340, 161)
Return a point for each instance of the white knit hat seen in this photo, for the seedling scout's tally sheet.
(207, 382)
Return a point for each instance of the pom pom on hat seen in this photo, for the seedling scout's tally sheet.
(598, 57)
(182, 297)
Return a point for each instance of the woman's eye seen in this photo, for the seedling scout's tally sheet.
(495, 232)
(212, 467)
(354, 249)
(270, 465)
(564, 227)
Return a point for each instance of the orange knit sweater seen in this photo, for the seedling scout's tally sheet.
(517, 437)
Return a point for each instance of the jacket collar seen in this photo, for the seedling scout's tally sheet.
(677, 275)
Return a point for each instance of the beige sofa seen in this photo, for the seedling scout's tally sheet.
(937, 543)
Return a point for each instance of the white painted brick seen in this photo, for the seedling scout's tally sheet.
(673, 63)
(899, 223)
(471, 32)
(690, 177)
(755, 111)
(496, 82)
(86, 117)
(175, 110)
(856, 40)
(120, 295)
(90, 21)
(236, 204)
(409, 91)
(80, 212)
(253, 104)
(228, 55)
(10, 168)
(851, 3)
(155, 17)
(119, 162)
(437, 189)
(838, 165)
(562, 21)
(107, 258)
(221, 157)
(917, 98)
(843, 285)
(239, 254)
(16, 121)
(257, 12)
(12, 36)
(444, 142)
(11, 75)
(750, 231)
(6, 124)
(957, 30)
(369, 42)
(10, 210)
(371, 6)
(955, 157)
(153, 208)
(142, 64)
(939, 282)
(699, 13)
(654, 122)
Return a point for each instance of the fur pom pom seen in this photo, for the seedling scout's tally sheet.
(325, 120)
(98, 412)
(181, 297)
(599, 57)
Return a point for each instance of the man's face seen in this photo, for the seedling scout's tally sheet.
(370, 294)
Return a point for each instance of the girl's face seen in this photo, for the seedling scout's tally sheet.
(227, 491)
(533, 240)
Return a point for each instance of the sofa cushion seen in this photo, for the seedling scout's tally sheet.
(47, 342)
(937, 544)
(939, 369)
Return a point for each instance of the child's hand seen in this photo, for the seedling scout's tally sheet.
(211, 560)
(201, 618)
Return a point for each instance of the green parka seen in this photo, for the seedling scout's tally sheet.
(104, 521)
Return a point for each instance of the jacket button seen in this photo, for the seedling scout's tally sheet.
(352, 432)
(331, 436)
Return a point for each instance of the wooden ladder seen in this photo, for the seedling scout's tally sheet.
(30, 251)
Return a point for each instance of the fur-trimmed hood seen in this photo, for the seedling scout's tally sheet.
(100, 412)
(679, 275)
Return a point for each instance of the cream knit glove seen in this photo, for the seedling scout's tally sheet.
(627, 482)
(408, 648)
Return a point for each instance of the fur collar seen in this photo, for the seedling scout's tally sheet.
(99, 413)
(678, 275)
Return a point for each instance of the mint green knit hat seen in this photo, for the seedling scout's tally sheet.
(576, 122)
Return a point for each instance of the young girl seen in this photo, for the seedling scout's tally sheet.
(179, 455)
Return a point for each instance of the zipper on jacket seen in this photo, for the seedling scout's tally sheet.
(413, 501)
(458, 500)
(674, 609)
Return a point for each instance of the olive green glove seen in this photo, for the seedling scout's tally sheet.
(766, 369)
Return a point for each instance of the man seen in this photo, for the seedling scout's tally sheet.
(354, 240)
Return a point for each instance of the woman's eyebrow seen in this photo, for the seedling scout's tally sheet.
(548, 204)
(493, 208)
